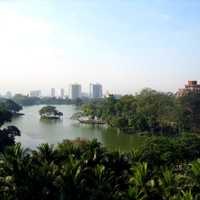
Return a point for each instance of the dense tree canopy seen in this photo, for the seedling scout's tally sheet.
(10, 105)
(5, 115)
(86, 170)
(148, 111)
(190, 112)
(166, 167)
(7, 135)
(50, 112)
(25, 100)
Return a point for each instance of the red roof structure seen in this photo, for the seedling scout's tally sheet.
(191, 87)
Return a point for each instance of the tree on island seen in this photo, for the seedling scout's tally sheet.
(50, 112)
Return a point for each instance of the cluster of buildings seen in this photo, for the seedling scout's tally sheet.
(190, 87)
(96, 91)
(75, 92)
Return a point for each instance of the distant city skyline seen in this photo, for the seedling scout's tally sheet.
(87, 91)
(124, 45)
(58, 92)
(95, 90)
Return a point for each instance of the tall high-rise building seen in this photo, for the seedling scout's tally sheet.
(96, 91)
(35, 93)
(74, 91)
(53, 92)
(62, 93)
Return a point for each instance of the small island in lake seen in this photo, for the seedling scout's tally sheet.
(80, 116)
(50, 112)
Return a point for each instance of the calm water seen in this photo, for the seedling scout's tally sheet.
(34, 131)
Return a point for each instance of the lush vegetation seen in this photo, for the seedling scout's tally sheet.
(29, 101)
(165, 168)
(7, 135)
(10, 106)
(50, 112)
(149, 111)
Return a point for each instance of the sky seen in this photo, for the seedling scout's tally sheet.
(126, 45)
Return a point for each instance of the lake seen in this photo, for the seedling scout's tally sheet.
(34, 131)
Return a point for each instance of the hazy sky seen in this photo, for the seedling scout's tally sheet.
(124, 44)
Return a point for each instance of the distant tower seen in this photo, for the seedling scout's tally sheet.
(62, 93)
(96, 91)
(74, 91)
(53, 92)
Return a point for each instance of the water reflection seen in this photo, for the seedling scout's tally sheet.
(34, 131)
(50, 121)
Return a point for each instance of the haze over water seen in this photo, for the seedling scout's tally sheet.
(34, 131)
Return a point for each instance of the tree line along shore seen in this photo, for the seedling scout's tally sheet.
(148, 112)
(166, 166)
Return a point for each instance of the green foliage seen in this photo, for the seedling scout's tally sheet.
(149, 111)
(50, 112)
(161, 151)
(164, 168)
(190, 112)
(86, 170)
(10, 105)
(78, 102)
(28, 101)
(7, 134)
(5, 115)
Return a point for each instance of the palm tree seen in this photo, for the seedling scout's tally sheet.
(137, 189)
(183, 196)
(45, 152)
(68, 181)
(168, 183)
(15, 168)
(195, 176)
